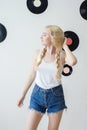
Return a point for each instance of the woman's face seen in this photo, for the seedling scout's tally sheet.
(46, 37)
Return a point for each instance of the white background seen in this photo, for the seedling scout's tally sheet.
(23, 37)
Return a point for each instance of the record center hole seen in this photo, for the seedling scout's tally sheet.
(37, 3)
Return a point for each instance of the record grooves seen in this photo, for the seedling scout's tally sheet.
(67, 70)
(72, 40)
(37, 6)
(3, 32)
(83, 10)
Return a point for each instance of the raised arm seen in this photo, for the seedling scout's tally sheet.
(69, 56)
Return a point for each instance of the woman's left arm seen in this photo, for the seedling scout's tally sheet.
(69, 56)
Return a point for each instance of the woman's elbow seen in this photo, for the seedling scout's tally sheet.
(73, 62)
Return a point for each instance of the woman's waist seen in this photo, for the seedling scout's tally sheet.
(48, 89)
(46, 85)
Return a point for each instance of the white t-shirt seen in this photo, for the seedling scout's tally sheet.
(45, 75)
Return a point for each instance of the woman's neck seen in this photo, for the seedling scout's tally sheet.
(51, 50)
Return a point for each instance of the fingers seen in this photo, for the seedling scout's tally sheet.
(65, 41)
(20, 103)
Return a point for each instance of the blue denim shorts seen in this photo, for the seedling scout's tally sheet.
(50, 100)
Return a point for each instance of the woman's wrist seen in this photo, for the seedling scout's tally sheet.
(23, 95)
(65, 47)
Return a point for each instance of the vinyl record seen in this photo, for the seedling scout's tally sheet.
(72, 40)
(83, 10)
(3, 32)
(37, 6)
(67, 70)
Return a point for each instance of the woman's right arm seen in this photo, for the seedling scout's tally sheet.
(31, 77)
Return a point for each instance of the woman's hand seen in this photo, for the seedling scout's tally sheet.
(65, 43)
(20, 101)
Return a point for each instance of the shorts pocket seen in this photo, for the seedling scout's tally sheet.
(58, 91)
(35, 89)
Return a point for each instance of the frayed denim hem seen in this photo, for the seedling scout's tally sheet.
(33, 109)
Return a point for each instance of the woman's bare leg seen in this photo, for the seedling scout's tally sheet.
(54, 120)
(33, 120)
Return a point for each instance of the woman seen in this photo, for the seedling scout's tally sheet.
(46, 71)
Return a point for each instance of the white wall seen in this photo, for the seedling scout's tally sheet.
(23, 37)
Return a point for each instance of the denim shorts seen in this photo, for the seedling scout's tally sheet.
(50, 100)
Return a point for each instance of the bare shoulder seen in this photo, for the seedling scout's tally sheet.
(36, 53)
(35, 56)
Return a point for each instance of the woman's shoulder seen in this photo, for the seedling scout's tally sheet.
(37, 53)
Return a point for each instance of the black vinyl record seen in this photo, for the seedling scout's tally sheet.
(72, 40)
(3, 32)
(37, 6)
(67, 70)
(83, 10)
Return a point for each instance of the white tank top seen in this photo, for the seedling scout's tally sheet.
(45, 75)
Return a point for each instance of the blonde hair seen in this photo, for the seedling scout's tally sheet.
(57, 39)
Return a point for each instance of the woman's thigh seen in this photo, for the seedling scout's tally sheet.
(33, 120)
(54, 120)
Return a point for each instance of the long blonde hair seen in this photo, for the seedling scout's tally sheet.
(57, 39)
